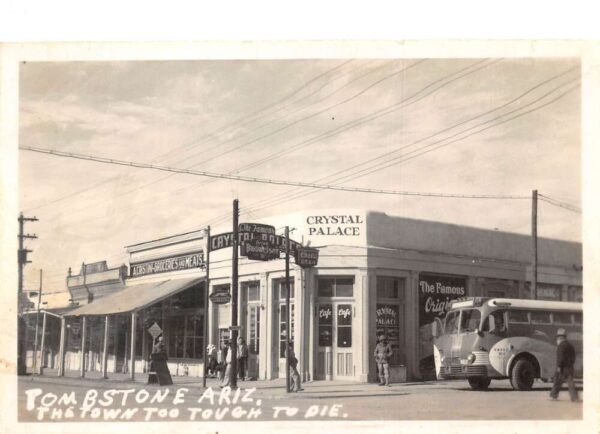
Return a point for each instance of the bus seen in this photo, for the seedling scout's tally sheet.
(483, 339)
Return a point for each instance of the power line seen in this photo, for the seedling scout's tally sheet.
(208, 136)
(560, 204)
(404, 158)
(253, 179)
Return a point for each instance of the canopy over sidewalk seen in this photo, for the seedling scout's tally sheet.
(135, 297)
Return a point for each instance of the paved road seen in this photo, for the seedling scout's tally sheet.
(450, 400)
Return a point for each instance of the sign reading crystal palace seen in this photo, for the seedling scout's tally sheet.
(354, 274)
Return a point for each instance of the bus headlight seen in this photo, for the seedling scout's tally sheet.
(471, 358)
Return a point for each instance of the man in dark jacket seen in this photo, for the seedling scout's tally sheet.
(565, 359)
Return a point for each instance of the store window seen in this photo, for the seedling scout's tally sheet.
(252, 290)
(548, 292)
(186, 323)
(344, 325)
(390, 287)
(254, 330)
(335, 287)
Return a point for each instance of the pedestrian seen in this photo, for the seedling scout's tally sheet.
(565, 359)
(221, 365)
(383, 353)
(159, 370)
(227, 374)
(295, 385)
(242, 358)
(211, 354)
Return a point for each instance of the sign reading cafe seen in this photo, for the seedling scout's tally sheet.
(164, 265)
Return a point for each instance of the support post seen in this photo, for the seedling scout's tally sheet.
(82, 359)
(132, 354)
(61, 348)
(287, 309)
(41, 368)
(105, 347)
(234, 296)
(206, 301)
(534, 271)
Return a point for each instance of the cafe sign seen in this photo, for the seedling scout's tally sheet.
(165, 265)
(307, 257)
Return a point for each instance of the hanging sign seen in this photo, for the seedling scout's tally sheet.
(307, 257)
(220, 295)
(259, 250)
(256, 228)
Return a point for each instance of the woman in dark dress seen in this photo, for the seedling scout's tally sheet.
(159, 371)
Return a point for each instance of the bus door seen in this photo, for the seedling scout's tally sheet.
(470, 320)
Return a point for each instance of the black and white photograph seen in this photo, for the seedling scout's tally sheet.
(381, 238)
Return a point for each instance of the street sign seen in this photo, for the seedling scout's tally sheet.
(220, 297)
(256, 228)
(238, 328)
(307, 257)
(259, 250)
(155, 330)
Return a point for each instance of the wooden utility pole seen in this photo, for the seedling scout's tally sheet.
(206, 289)
(534, 268)
(287, 309)
(37, 321)
(234, 296)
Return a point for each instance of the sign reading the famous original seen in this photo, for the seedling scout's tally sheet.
(259, 250)
(334, 225)
(436, 292)
(307, 257)
(175, 263)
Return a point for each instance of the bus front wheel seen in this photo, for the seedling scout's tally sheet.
(479, 383)
(523, 375)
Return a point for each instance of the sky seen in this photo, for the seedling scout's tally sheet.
(451, 126)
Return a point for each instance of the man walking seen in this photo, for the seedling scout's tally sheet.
(242, 357)
(565, 359)
(295, 385)
(383, 353)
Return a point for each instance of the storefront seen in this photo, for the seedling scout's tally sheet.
(376, 275)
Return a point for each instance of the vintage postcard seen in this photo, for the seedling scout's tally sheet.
(301, 236)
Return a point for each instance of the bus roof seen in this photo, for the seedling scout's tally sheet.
(518, 303)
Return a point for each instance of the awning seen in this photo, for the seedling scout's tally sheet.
(135, 297)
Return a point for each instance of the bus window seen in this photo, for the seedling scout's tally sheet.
(470, 320)
(451, 323)
(540, 317)
(518, 317)
(499, 324)
(561, 318)
(578, 317)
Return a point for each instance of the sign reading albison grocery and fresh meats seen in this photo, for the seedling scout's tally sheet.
(164, 265)
(436, 292)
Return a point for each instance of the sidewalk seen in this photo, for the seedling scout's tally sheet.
(267, 389)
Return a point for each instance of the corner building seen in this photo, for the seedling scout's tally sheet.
(376, 274)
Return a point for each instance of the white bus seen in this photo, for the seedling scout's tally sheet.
(482, 339)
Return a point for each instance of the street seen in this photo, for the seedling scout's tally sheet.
(71, 399)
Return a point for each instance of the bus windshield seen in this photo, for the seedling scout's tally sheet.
(469, 320)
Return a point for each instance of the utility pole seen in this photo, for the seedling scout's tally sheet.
(534, 270)
(22, 261)
(287, 309)
(206, 289)
(37, 321)
(234, 296)
(23, 251)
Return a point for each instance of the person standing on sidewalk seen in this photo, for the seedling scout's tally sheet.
(159, 370)
(228, 373)
(383, 353)
(565, 359)
(242, 357)
(295, 386)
